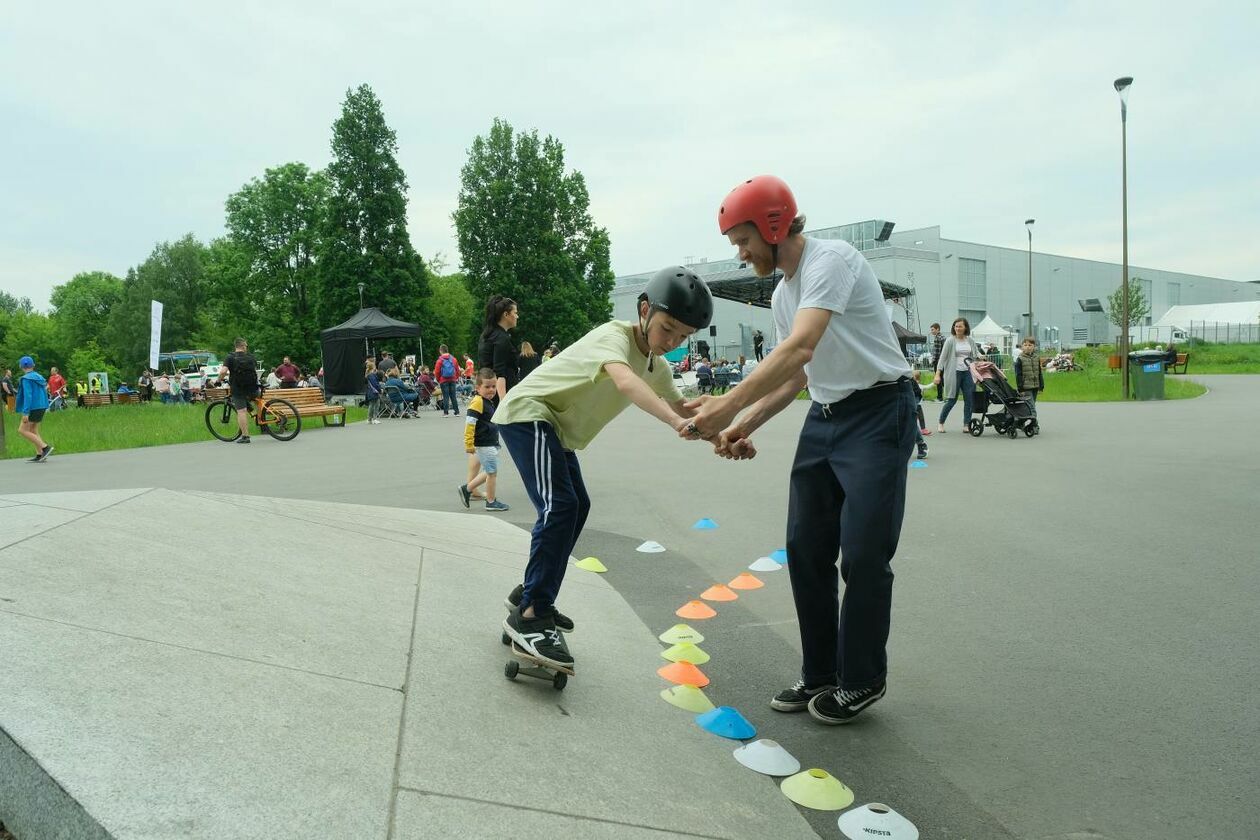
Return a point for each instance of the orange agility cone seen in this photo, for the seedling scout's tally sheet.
(683, 673)
(718, 592)
(746, 580)
(695, 610)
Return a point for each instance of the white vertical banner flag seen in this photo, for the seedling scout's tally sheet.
(155, 334)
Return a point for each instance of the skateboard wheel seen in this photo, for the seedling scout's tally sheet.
(511, 669)
(559, 681)
(505, 639)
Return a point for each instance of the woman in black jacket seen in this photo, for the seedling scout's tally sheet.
(495, 350)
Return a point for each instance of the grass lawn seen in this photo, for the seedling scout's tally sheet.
(1094, 384)
(127, 427)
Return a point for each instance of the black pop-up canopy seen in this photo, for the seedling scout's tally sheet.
(344, 347)
(905, 336)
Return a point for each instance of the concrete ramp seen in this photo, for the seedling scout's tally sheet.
(187, 664)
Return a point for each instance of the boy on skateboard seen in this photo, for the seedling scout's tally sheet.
(560, 408)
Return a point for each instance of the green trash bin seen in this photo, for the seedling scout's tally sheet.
(1146, 374)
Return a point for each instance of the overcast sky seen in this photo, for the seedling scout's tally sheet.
(126, 124)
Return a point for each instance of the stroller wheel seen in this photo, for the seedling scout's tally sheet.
(977, 428)
(1032, 428)
(1012, 432)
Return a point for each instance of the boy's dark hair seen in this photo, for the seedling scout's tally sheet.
(1027, 339)
(239, 343)
(486, 374)
(441, 348)
(935, 327)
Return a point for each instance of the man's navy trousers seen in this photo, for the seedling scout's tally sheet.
(847, 500)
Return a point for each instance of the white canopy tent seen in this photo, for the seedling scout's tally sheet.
(1218, 322)
(989, 330)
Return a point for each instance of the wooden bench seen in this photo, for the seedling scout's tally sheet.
(94, 400)
(1183, 361)
(309, 402)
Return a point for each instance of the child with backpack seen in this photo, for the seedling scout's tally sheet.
(447, 371)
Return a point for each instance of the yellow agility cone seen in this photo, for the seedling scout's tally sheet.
(687, 697)
(817, 789)
(680, 633)
(685, 652)
(591, 564)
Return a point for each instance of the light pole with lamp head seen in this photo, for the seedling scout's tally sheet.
(1028, 223)
(366, 352)
(1122, 87)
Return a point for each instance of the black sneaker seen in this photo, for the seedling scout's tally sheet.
(513, 601)
(796, 698)
(243, 439)
(922, 451)
(43, 456)
(539, 637)
(839, 706)
(464, 495)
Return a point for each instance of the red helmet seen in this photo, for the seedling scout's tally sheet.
(765, 201)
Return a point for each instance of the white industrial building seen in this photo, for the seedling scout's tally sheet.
(930, 279)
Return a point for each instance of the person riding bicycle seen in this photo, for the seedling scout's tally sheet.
(241, 368)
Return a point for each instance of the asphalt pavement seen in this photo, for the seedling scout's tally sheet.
(1073, 613)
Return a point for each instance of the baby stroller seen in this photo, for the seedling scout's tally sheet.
(1016, 414)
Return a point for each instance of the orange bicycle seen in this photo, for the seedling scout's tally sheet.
(275, 416)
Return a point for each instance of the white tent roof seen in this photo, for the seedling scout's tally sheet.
(988, 328)
(1238, 312)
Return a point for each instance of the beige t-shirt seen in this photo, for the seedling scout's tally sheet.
(574, 393)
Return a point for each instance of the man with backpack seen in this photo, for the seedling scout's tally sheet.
(241, 368)
(447, 371)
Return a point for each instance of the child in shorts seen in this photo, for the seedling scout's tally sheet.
(482, 438)
(32, 402)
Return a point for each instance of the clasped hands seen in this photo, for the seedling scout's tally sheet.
(712, 421)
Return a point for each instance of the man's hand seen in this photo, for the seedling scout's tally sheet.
(712, 414)
(734, 444)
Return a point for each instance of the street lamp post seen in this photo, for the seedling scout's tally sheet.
(1028, 223)
(366, 352)
(1122, 88)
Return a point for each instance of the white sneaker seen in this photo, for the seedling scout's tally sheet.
(375, 422)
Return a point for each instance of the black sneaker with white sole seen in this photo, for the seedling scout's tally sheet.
(465, 495)
(538, 637)
(797, 697)
(840, 706)
(513, 601)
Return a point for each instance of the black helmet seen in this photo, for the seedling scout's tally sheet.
(681, 293)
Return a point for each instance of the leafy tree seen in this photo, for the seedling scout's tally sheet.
(31, 334)
(11, 305)
(264, 271)
(90, 358)
(1139, 307)
(82, 306)
(455, 316)
(364, 237)
(525, 231)
(175, 274)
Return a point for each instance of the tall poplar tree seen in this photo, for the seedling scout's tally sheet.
(525, 231)
(365, 237)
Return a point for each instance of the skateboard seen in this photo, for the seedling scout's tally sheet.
(526, 664)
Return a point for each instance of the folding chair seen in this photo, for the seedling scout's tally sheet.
(392, 403)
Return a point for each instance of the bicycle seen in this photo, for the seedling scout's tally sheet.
(276, 416)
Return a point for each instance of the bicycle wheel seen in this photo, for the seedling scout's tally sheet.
(221, 421)
(280, 419)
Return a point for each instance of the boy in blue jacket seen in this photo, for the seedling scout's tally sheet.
(32, 402)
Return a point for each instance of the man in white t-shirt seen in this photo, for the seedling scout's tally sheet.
(848, 481)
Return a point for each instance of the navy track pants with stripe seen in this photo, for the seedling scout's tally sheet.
(554, 483)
